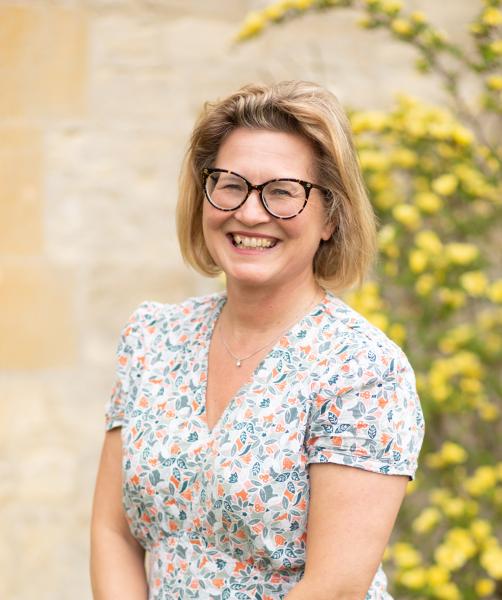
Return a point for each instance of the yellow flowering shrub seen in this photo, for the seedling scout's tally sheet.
(434, 175)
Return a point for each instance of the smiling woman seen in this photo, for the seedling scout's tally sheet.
(259, 440)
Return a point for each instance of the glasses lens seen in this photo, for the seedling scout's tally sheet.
(284, 198)
(225, 190)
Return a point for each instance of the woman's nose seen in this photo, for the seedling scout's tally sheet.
(252, 211)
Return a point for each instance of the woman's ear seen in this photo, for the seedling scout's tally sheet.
(328, 230)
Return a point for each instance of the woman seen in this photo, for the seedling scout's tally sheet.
(262, 438)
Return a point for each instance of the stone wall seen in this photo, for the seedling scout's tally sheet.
(97, 98)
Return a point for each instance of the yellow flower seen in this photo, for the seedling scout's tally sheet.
(408, 215)
(418, 16)
(379, 320)
(397, 332)
(495, 291)
(492, 17)
(488, 412)
(414, 579)
(274, 12)
(453, 298)
(439, 496)
(428, 202)
(417, 260)
(466, 363)
(493, 343)
(456, 337)
(461, 254)
(474, 283)
(437, 575)
(372, 159)
(434, 461)
(445, 184)
(391, 6)
(426, 520)
(494, 82)
(403, 157)
(386, 235)
(429, 241)
(253, 24)
(496, 47)
(451, 556)
(462, 136)
(405, 556)
(491, 561)
(447, 591)
(302, 4)
(380, 182)
(386, 199)
(455, 508)
(483, 480)
(401, 27)
(484, 587)
(424, 284)
(481, 530)
(369, 120)
(453, 454)
(470, 386)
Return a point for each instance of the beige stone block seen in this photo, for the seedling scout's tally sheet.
(37, 328)
(111, 193)
(21, 227)
(43, 65)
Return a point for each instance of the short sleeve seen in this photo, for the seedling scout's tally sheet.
(128, 367)
(367, 414)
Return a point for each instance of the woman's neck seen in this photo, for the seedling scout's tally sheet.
(251, 313)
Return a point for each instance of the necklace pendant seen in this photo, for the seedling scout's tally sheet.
(238, 363)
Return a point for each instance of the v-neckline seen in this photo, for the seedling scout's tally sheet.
(205, 366)
(250, 380)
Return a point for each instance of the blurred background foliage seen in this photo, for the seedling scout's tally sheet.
(434, 176)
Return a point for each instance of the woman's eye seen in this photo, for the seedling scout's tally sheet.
(280, 192)
(229, 185)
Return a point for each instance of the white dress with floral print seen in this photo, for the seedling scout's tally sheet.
(222, 513)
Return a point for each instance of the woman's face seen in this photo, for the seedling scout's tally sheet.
(286, 248)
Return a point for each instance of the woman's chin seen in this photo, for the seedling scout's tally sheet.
(249, 277)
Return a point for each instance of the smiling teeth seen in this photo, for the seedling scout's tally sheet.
(251, 242)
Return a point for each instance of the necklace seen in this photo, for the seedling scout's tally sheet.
(240, 359)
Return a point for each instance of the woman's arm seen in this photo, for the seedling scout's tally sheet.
(117, 560)
(351, 516)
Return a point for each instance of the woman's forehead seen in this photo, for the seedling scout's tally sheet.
(266, 154)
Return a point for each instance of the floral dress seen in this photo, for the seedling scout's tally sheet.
(222, 513)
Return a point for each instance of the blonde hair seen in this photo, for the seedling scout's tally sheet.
(313, 112)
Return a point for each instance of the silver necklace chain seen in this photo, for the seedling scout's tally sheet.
(241, 359)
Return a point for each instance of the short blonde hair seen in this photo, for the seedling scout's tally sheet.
(313, 112)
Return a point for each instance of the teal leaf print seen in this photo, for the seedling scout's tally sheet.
(266, 493)
(291, 415)
(343, 427)
(332, 418)
(154, 477)
(372, 431)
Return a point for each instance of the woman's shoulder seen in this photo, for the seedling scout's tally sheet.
(354, 334)
(152, 316)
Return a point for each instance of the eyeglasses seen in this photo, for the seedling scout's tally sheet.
(281, 198)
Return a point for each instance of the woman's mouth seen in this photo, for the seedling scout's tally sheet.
(259, 243)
